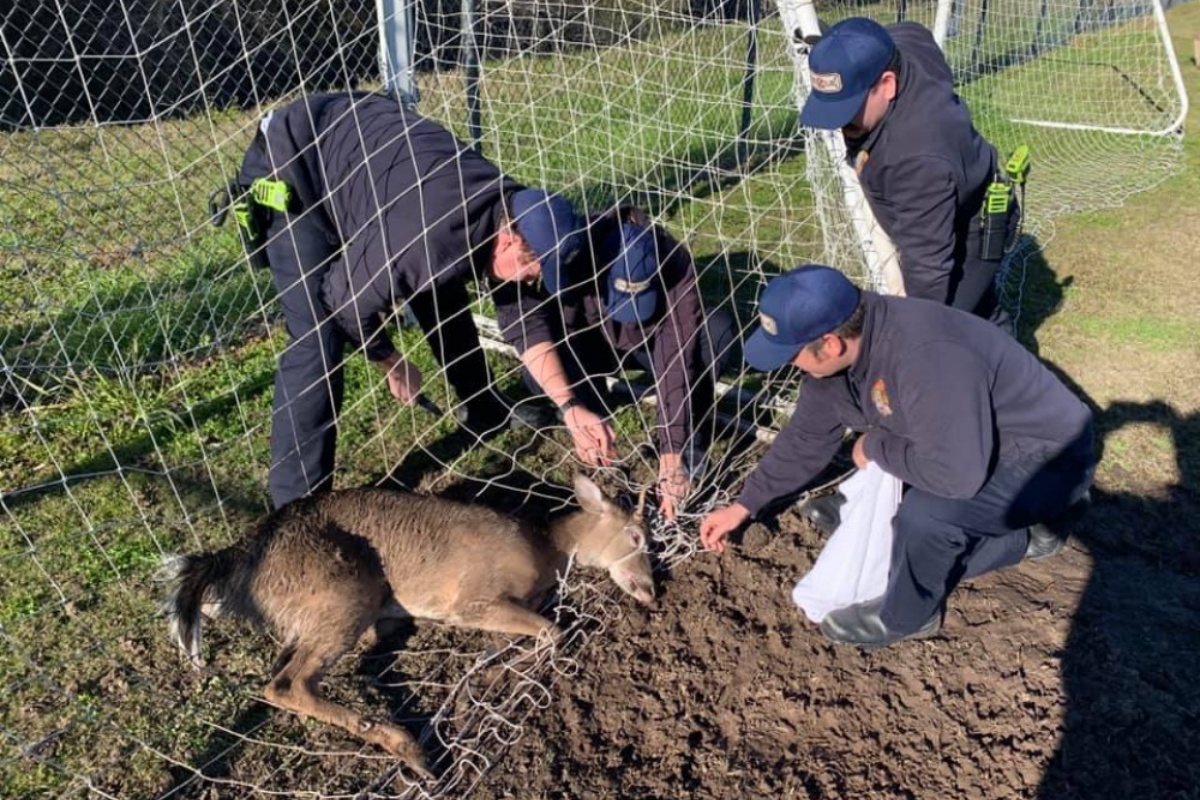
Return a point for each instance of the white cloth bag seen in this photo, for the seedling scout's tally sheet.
(853, 565)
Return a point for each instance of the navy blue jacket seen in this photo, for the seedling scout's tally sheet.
(412, 206)
(942, 396)
(925, 169)
(671, 337)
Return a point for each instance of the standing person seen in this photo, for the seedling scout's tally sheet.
(995, 452)
(924, 168)
(633, 301)
(363, 205)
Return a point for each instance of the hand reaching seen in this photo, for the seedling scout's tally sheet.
(404, 380)
(719, 524)
(673, 484)
(593, 436)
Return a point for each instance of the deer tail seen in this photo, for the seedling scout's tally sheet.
(188, 578)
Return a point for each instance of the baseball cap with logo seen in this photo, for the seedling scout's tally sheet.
(797, 308)
(845, 64)
(548, 224)
(632, 290)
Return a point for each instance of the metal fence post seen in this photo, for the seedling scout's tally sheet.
(743, 145)
(396, 46)
(470, 57)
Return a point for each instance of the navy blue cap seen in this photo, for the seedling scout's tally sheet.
(845, 64)
(632, 290)
(797, 308)
(548, 224)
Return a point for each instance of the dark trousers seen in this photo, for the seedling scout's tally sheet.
(973, 280)
(309, 381)
(940, 541)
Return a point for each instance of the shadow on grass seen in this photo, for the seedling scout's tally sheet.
(1132, 721)
(217, 758)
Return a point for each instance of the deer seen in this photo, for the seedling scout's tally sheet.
(321, 571)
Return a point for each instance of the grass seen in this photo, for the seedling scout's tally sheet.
(145, 352)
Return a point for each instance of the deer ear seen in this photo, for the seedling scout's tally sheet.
(589, 495)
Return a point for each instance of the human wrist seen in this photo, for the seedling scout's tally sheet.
(569, 403)
(388, 362)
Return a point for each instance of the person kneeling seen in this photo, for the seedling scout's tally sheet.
(995, 451)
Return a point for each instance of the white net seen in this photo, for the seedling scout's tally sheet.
(1091, 88)
(138, 347)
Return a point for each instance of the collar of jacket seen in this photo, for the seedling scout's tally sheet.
(873, 317)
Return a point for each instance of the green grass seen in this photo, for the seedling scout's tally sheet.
(145, 350)
(1152, 333)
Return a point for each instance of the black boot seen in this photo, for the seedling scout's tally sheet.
(862, 625)
(484, 416)
(824, 511)
(492, 413)
(1048, 538)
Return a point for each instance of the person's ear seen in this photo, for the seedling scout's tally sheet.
(888, 84)
(833, 345)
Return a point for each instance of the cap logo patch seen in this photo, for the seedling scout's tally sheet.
(567, 254)
(827, 82)
(768, 324)
(631, 287)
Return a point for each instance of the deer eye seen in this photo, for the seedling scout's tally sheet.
(636, 537)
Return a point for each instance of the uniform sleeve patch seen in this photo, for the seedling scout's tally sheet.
(879, 397)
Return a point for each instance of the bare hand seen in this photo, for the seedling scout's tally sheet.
(673, 484)
(404, 380)
(593, 436)
(719, 524)
(860, 452)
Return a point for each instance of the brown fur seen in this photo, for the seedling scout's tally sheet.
(323, 570)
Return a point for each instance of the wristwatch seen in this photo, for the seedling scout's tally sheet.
(571, 403)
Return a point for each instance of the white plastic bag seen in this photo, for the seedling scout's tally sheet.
(853, 565)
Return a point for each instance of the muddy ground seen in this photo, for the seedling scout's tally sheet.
(1069, 678)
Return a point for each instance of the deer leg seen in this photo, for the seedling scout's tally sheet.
(296, 688)
(504, 616)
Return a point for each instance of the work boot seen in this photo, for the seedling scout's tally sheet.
(490, 414)
(534, 416)
(483, 417)
(1048, 538)
(824, 511)
(862, 626)
(1044, 542)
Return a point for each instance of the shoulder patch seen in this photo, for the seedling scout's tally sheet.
(879, 397)
(860, 161)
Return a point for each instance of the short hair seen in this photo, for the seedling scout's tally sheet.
(893, 64)
(852, 328)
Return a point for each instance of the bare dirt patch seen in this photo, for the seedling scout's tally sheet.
(1066, 678)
